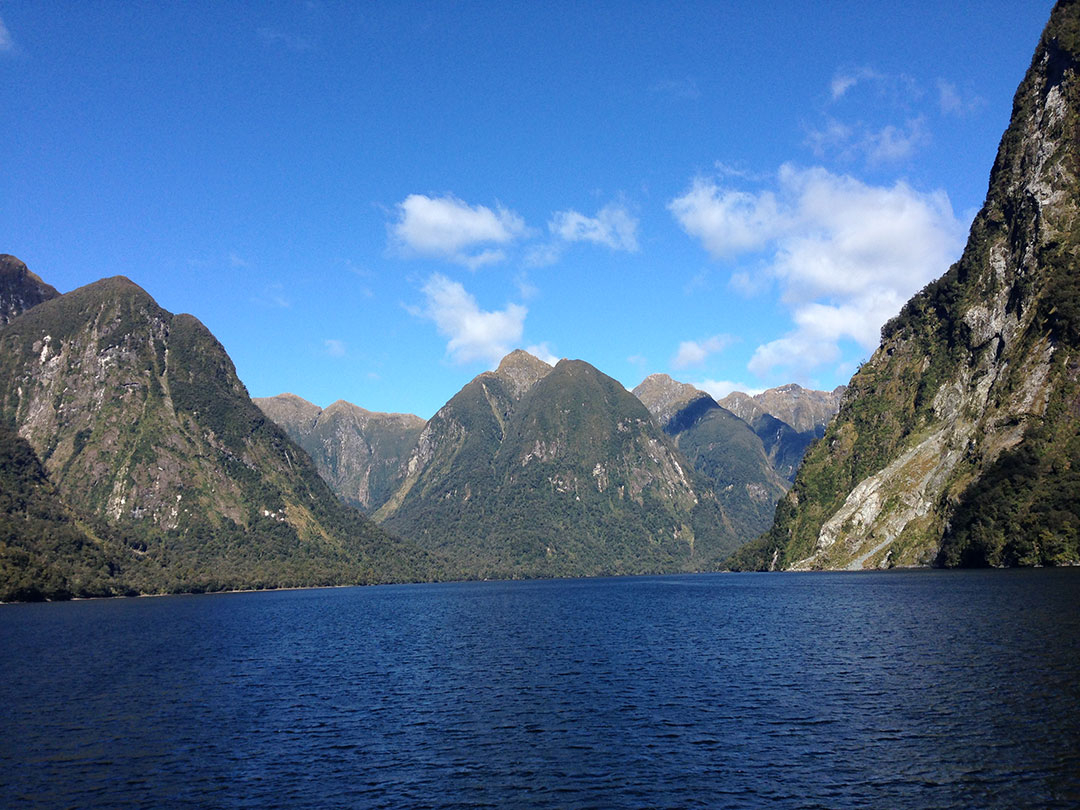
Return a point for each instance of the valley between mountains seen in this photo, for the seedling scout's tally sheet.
(132, 459)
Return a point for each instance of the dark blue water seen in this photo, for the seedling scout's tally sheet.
(890, 690)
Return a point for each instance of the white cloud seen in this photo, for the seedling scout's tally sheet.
(845, 255)
(613, 227)
(728, 222)
(718, 389)
(694, 352)
(474, 334)
(451, 229)
(543, 254)
(6, 42)
(334, 347)
(892, 143)
(544, 352)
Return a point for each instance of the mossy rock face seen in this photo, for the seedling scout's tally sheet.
(979, 367)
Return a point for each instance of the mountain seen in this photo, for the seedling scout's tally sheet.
(140, 423)
(538, 471)
(805, 411)
(721, 446)
(787, 419)
(360, 454)
(20, 289)
(958, 442)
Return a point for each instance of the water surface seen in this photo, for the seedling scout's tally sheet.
(903, 690)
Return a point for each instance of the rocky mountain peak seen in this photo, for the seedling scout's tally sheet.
(521, 371)
(958, 439)
(664, 397)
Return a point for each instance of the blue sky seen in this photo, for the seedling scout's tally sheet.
(375, 201)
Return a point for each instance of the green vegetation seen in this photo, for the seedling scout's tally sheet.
(154, 471)
(572, 479)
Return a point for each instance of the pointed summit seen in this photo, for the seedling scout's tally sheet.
(664, 397)
(521, 371)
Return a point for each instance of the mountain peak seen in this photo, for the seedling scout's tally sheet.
(20, 289)
(664, 397)
(521, 371)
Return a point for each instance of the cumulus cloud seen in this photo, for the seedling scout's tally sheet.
(451, 229)
(845, 255)
(727, 221)
(613, 227)
(473, 333)
(6, 42)
(694, 352)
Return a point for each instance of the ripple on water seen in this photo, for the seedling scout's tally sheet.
(903, 690)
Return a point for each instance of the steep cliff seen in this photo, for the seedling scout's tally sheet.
(20, 289)
(959, 440)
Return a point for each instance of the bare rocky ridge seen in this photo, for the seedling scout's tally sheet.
(665, 397)
(805, 410)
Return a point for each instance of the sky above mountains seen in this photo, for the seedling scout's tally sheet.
(375, 202)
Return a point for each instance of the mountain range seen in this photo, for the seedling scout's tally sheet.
(132, 459)
(135, 462)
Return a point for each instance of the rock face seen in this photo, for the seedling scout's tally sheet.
(721, 446)
(20, 289)
(140, 422)
(665, 397)
(360, 454)
(959, 441)
(533, 471)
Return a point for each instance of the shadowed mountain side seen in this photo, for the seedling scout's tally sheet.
(721, 446)
(20, 289)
